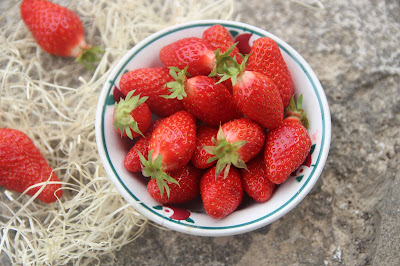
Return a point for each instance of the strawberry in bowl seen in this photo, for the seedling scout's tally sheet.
(233, 124)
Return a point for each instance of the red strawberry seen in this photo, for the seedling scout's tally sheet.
(209, 101)
(221, 195)
(174, 140)
(258, 98)
(132, 116)
(188, 189)
(218, 37)
(204, 134)
(132, 159)
(238, 141)
(266, 58)
(255, 181)
(244, 129)
(171, 147)
(288, 145)
(57, 30)
(151, 82)
(194, 54)
(22, 165)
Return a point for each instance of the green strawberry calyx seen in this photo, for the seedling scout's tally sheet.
(123, 119)
(89, 56)
(294, 109)
(226, 153)
(153, 169)
(177, 87)
(222, 59)
(232, 69)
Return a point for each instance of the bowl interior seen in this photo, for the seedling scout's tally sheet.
(191, 218)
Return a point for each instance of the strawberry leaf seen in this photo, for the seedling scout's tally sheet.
(153, 169)
(295, 110)
(90, 56)
(222, 59)
(233, 69)
(226, 154)
(123, 121)
(177, 87)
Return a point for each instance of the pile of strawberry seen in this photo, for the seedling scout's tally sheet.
(228, 123)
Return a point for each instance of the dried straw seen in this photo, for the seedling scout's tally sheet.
(53, 100)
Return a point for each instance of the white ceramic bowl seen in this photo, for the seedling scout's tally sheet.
(191, 219)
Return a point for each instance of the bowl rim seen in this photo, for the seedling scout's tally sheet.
(204, 230)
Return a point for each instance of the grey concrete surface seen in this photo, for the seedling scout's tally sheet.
(351, 217)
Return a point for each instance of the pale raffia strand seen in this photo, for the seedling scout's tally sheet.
(53, 100)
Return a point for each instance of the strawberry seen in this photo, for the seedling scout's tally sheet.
(208, 100)
(255, 94)
(151, 82)
(132, 116)
(192, 52)
(258, 98)
(221, 195)
(218, 37)
(195, 54)
(58, 30)
(254, 180)
(132, 159)
(204, 135)
(238, 141)
(174, 140)
(288, 145)
(171, 147)
(188, 189)
(266, 58)
(22, 165)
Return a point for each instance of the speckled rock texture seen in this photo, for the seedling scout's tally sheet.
(351, 216)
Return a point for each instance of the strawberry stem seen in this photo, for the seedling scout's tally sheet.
(226, 153)
(89, 57)
(153, 169)
(221, 60)
(177, 87)
(295, 110)
(123, 119)
(232, 69)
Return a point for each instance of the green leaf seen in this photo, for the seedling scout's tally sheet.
(294, 109)
(225, 153)
(177, 87)
(90, 57)
(122, 114)
(153, 169)
(173, 74)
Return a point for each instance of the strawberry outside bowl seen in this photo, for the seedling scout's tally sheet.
(191, 218)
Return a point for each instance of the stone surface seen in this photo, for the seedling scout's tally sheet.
(351, 217)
